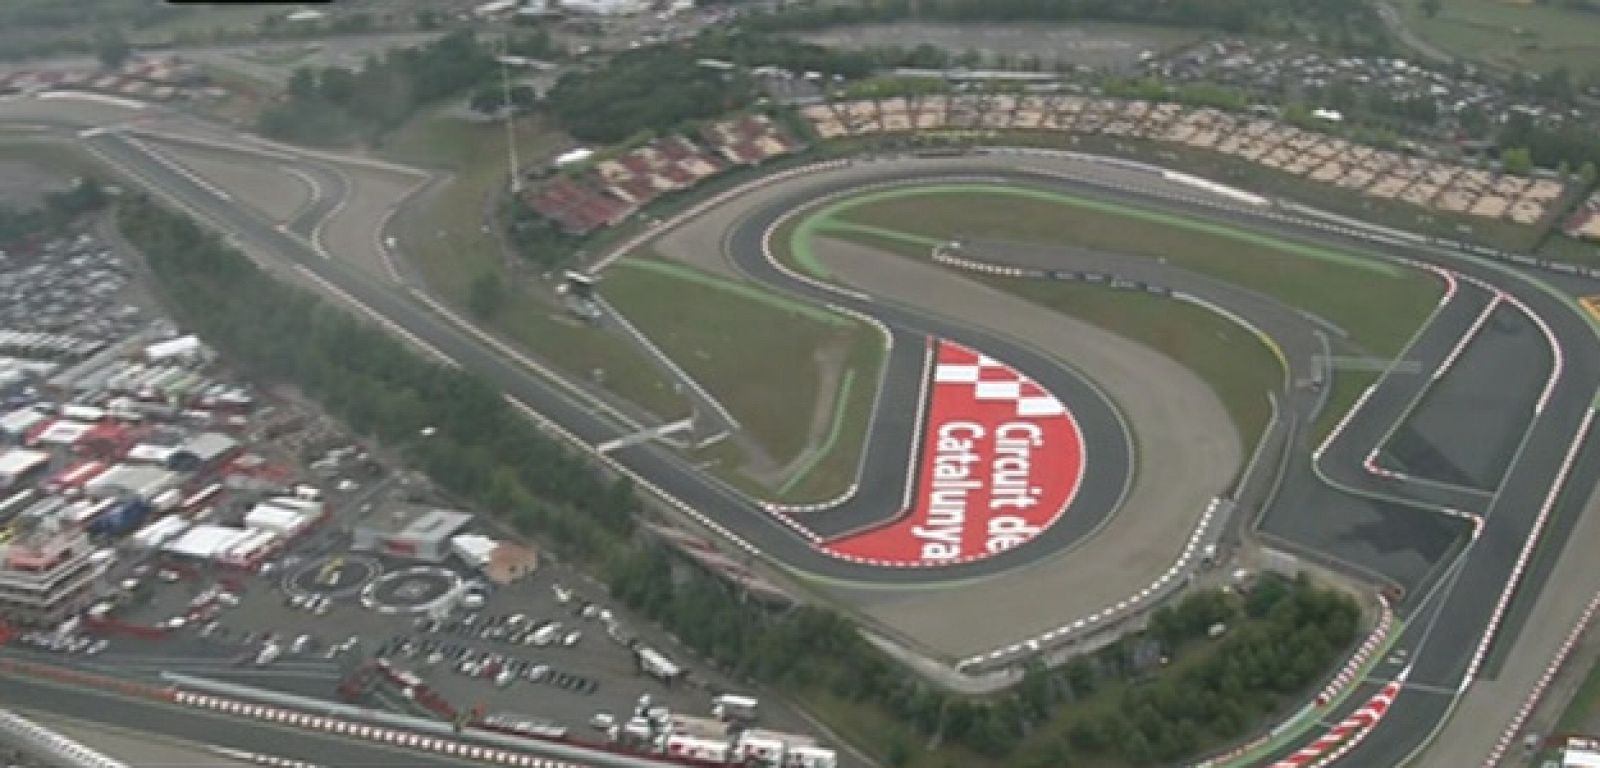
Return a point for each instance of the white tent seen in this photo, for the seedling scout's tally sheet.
(206, 542)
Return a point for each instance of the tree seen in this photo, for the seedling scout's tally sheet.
(1586, 172)
(303, 83)
(898, 753)
(1517, 160)
(111, 48)
(338, 85)
(1080, 676)
(486, 295)
(1431, 8)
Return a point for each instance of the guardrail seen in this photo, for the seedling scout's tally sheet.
(46, 744)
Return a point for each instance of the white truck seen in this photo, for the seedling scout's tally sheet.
(697, 748)
(729, 706)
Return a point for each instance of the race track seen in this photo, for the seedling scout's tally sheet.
(1462, 554)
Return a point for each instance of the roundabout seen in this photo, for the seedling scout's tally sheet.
(417, 589)
(332, 576)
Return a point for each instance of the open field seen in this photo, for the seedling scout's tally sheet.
(451, 239)
(1511, 35)
(49, 157)
(24, 182)
(1334, 285)
(1583, 712)
(792, 374)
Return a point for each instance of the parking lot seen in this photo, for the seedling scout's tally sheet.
(218, 524)
(67, 285)
(544, 649)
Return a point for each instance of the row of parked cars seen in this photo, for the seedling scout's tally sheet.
(512, 629)
(314, 604)
(63, 643)
(501, 668)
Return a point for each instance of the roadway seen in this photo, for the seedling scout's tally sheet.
(141, 715)
(1450, 624)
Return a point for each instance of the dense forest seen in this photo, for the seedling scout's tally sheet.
(60, 209)
(335, 105)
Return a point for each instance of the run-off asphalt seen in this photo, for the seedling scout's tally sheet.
(1494, 384)
(1188, 452)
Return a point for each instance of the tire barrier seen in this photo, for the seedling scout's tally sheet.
(374, 733)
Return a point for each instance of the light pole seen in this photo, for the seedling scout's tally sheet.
(511, 132)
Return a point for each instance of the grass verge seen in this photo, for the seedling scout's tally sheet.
(1511, 35)
(1585, 705)
(770, 360)
(1572, 251)
(448, 236)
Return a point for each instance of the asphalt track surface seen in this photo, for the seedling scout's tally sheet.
(1449, 622)
(882, 495)
(768, 533)
(1447, 627)
(143, 715)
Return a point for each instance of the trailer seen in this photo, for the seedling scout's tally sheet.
(122, 517)
(730, 706)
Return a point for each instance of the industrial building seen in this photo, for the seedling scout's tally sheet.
(47, 573)
(131, 481)
(203, 452)
(411, 531)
